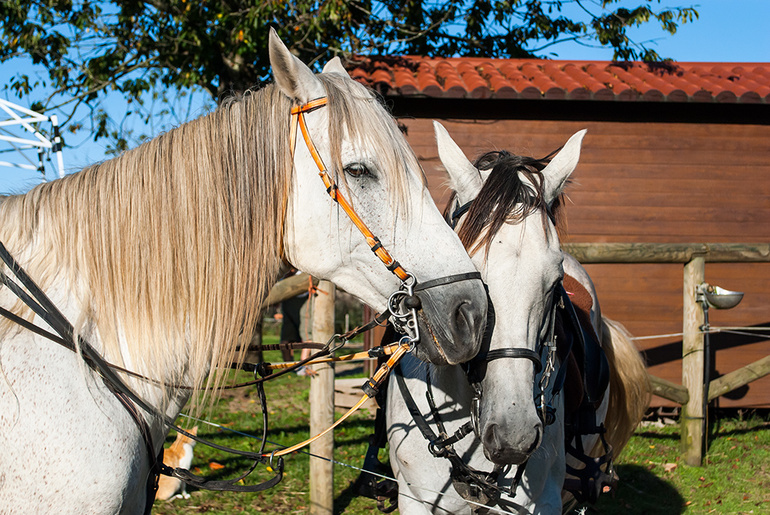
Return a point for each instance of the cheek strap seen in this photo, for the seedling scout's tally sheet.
(298, 120)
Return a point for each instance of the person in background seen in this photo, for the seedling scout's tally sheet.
(295, 327)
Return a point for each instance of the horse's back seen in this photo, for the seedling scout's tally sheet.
(66, 443)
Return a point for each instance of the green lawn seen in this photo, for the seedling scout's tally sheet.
(288, 411)
(735, 477)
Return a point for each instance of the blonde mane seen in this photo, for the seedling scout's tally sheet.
(170, 249)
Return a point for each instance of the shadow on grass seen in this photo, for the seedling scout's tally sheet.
(639, 492)
(717, 431)
(652, 435)
(346, 497)
(343, 500)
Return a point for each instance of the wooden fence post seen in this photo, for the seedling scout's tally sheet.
(322, 407)
(693, 416)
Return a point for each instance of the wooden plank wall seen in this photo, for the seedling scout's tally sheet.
(651, 182)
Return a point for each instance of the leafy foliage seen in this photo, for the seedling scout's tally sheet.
(145, 49)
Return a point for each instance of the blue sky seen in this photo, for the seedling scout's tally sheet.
(727, 31)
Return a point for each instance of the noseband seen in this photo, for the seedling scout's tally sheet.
(402, 304)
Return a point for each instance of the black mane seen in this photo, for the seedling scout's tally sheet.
(504, 197)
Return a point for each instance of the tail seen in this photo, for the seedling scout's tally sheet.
(630, 388)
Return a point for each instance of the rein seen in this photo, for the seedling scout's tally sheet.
(42, 306)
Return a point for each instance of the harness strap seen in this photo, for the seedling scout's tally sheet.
(43, 307)
(438, 447)
(419, 420)
(157, 460)
(57, 320)
(298, 120)
(371, 387)
(515, 352)
(227, 485)
(378, 320)
(373, 353)
(449, 279)
(444, 439)
(473, 485)
(597, 473)
(459, 211)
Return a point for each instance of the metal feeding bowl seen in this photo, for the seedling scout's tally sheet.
(720, 298)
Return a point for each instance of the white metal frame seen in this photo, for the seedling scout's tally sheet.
(21, 117)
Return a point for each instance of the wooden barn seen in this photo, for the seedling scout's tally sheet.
(675, 153)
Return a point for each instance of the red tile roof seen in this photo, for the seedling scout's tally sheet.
(482, 78)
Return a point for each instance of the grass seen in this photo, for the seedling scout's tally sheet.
(734, 480)
(288, 411)
(735, 477)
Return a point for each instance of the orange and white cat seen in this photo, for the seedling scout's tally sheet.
(180, 454)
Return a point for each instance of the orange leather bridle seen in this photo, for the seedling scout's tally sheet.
(298, 120)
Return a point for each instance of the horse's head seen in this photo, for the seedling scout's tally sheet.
(376, 171)
(510, 234)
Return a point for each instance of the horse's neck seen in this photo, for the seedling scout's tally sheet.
(68, 297)
(452, 382)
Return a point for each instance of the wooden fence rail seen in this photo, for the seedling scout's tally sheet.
(691, 394)
(668, 252)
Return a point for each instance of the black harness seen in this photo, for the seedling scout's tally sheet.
(480, 487)
(473, 485)
(483, 487)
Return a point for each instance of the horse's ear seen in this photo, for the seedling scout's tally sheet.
(561, 166)
(335, 66)
(464, 178)
(295, 79)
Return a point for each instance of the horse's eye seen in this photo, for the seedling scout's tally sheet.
(358, 170)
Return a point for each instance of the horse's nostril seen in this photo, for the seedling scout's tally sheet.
(503, 452)
(462, 315)
(465, 322)
(490, 440)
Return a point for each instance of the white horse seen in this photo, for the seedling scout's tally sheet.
(509, 231)
(161, 258)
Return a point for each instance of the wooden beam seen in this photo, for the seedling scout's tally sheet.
(322, 408)
(668, 252)
(288, 288)
(693, 415)
(738, 378)
(669, 390)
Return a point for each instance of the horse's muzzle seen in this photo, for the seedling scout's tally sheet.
(452, 319)
(502, 448)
